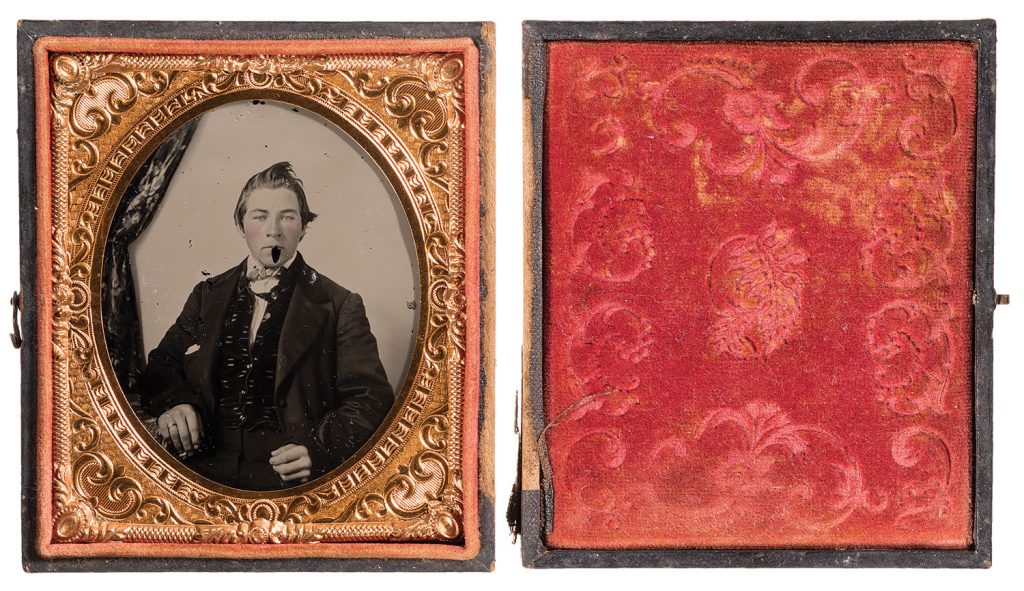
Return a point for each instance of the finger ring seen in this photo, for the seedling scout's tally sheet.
(175, 425)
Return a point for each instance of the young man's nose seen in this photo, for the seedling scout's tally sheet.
(274, 228)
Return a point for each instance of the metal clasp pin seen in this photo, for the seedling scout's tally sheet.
(16, 339)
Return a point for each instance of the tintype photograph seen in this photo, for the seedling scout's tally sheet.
(234, 298)
(261, 326)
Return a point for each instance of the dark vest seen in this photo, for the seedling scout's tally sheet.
(244, 377)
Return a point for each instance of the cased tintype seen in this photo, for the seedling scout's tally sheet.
(162, 377)
(759, 294)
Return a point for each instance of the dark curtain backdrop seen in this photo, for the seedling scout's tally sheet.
(134, 213)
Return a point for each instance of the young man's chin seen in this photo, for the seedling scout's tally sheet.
(268, 259)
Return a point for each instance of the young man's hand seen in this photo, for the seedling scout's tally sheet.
(291, 462)
(181, 426)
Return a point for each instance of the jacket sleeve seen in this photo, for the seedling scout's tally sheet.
(363, 395)
(164, 384)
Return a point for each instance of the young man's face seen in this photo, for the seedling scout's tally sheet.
(272, 225)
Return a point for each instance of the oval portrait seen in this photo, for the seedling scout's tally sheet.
(261, 295)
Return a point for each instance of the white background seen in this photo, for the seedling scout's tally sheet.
(509, 574)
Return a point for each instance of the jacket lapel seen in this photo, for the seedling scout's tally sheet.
(215, 306)
(305, 319)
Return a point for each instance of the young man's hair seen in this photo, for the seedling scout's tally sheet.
(277, 176)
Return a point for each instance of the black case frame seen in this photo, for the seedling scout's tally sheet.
(537, 506)
(28, 33)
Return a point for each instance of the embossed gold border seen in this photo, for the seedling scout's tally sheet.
(413, 104)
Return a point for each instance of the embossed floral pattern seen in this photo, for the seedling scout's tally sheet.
(612, 235)
(911, 233)
(589, 459)
(604, 352)
(754, 137)
(930, 132)
(756, 285)
(757, 456)
(910, 344)
(757, 314)
(926, 495)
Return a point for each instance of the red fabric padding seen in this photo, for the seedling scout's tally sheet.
(758, 274)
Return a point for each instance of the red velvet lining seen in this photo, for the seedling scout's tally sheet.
(758, 274)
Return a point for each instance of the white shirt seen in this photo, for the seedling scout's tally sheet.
(259, 309)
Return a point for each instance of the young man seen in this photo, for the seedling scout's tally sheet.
(270, 376)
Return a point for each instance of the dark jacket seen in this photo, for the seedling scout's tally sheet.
(331, 392)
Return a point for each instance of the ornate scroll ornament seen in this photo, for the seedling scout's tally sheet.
(754, 457)
(911, 233)
(588, 461)
(736, 129)
(927, 496)
(719, 480)
(929, 133)
(604, 352)
(911, 346)
(612, 237)
(110, 480)
(418, 490)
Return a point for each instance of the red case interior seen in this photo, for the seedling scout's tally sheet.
(758, 294)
